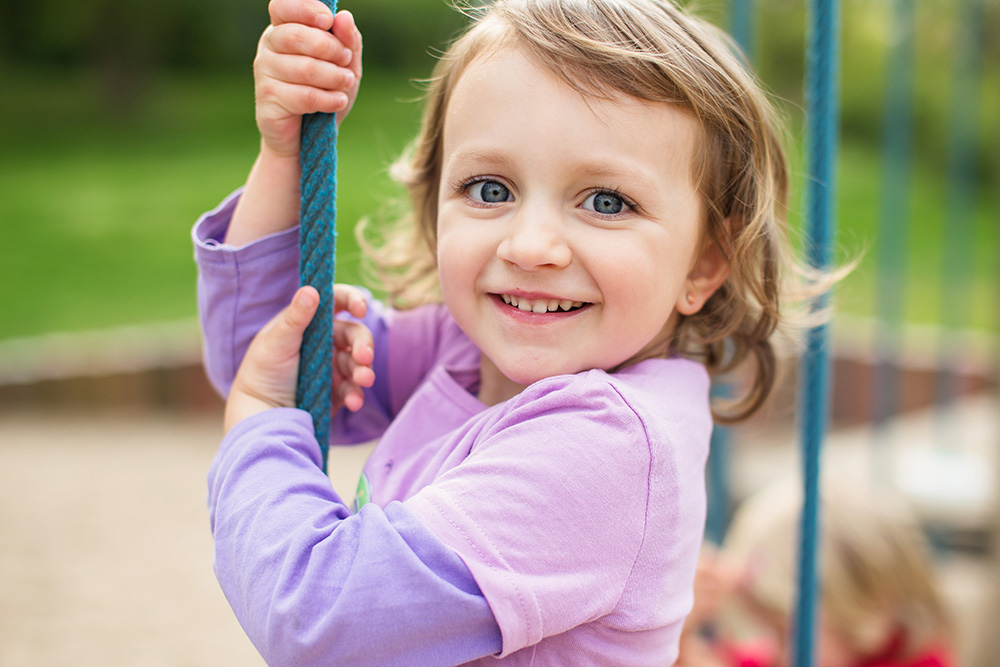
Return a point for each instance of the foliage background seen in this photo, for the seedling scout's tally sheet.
(121, 121)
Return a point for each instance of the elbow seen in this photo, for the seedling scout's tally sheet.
(291, 636)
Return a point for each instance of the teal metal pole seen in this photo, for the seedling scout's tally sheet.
(741, 26)
(719, 492)
(895, 215)
(958, 248)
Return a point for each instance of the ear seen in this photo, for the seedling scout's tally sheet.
(710, 270)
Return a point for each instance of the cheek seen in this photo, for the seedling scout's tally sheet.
(459, 260)
(449, 266)
(649, 278)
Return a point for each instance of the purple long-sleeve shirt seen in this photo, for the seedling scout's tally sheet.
(561, 526)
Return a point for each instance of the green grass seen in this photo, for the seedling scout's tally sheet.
(96, 207)
(95, 211)
(959, 290)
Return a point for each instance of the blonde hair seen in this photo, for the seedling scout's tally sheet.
(876, 573)
(653, 51)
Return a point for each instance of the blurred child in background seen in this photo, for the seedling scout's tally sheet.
(879, 604)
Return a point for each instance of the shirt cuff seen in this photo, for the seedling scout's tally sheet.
(209, 233)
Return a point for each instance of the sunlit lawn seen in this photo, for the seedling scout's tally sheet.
(95, 211)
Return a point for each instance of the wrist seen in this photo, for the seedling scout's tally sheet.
(278, 158)
(270, 200)
(242, 406)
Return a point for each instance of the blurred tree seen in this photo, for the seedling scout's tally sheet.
(402, 35)
(127, 41)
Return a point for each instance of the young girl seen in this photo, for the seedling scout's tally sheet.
(596, 191)
(879, 602)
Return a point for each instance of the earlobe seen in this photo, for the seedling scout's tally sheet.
(710, 270)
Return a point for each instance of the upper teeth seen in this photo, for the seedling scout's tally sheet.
(540, 305)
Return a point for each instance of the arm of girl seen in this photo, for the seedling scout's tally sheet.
(308, 61)
(310, 583)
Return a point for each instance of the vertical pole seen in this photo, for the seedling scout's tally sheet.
(317, 242)
(741, 25)
(958, 246)
(822, 118)
(719, 496)
(894, 219)
(719, 493)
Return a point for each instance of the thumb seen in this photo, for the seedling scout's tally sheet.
(268, 375)
(291, 323)
(279, 342)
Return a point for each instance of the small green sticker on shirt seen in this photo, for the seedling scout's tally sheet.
(364, 493)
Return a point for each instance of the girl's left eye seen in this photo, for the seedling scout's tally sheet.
(606, 203)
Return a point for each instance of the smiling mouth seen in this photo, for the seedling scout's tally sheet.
(542, 305)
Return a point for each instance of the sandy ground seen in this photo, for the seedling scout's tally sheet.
(105, 551)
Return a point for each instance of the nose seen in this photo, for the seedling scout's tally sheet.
(536, 239)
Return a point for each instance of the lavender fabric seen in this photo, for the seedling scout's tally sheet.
(312, 584)
(575, 508)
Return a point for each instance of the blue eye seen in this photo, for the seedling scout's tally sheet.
(605, 203)
(490, 192)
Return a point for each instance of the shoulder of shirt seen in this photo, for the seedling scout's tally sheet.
(655, 393)
(655, 379)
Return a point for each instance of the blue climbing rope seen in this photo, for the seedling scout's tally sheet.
(822, 74)
(317, 244)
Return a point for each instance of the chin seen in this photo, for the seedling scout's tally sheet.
(520, 376)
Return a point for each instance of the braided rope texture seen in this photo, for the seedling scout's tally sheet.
(822, 88)
(317, 244)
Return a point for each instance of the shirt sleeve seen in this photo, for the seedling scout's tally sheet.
(312, 584)
(241, 288)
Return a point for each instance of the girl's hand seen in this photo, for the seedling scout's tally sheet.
(268, 376)
(353, 350)
(307, 61)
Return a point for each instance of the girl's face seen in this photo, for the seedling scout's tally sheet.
(569, 229)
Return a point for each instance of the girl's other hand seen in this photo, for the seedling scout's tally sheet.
(308, 61)
(353, 349)
(268, 376)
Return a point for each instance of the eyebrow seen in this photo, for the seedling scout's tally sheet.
(602, 170)
(487, 156)
(597, 169)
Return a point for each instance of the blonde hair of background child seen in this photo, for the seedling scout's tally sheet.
(653, 51)
(876, 572)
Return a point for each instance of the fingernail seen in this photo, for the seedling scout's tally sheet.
(306, 299)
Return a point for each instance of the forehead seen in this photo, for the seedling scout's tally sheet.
(505, 101)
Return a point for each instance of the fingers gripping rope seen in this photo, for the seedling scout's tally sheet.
(317, 243)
